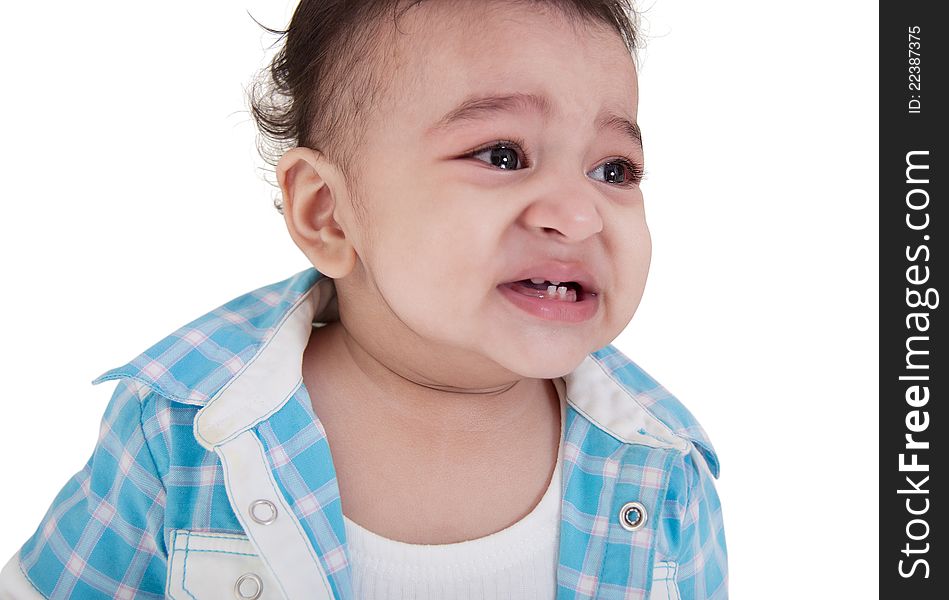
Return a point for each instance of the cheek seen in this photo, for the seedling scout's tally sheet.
(634, 254)
(642, 251)
(636, 250)
(434, 272)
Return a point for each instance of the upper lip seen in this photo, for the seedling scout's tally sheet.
(554, 270)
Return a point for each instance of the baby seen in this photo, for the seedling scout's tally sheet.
(434, 410)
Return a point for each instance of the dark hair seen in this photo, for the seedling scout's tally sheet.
(319, 86)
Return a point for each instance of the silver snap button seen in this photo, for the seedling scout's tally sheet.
(263, 511)
(248, 587)
(632, 516)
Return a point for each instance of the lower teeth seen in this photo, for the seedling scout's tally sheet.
(561, 293)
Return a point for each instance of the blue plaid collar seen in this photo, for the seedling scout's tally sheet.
(264, 331)
(208, 352)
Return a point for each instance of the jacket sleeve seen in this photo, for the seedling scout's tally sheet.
(102, 537)
(692, 537)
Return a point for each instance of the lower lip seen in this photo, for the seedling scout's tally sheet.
(554, 310)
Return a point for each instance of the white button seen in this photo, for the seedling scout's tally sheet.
(263, 511)
(248, 587)
(632, 516)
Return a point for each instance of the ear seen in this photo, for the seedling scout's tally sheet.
(308, 206)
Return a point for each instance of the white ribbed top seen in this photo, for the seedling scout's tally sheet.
(518, 562)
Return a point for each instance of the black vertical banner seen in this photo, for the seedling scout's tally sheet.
(914, 373)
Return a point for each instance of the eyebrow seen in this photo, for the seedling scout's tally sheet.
(481, 107)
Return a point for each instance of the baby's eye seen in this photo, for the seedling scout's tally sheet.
(621, 171)
(503, 155)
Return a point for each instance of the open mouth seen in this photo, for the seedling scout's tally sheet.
(563, 291)
(554, 290)
(561, 301)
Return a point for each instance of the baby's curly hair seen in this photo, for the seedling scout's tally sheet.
(319, 88)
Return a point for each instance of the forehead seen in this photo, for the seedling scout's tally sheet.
(449, 54)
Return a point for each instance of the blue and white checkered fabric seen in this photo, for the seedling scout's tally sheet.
(108, 533)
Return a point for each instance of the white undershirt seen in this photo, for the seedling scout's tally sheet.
(518, 562)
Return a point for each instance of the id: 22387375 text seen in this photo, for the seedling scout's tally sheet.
(914, 50)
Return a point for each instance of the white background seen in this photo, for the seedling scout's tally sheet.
(132, 203)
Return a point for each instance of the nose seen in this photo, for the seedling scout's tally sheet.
(573, 213)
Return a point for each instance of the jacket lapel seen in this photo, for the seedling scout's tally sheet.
(256, 424)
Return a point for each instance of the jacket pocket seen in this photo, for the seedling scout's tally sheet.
(664, 586)
(208, 565)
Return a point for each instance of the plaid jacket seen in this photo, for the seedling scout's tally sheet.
(212, 476)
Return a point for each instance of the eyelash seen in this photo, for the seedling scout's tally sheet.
(634, 168)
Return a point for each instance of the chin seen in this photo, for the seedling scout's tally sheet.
(542, 364)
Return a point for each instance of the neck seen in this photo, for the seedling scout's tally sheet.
(417, 402)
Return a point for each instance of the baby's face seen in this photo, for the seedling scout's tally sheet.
(451, 221)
